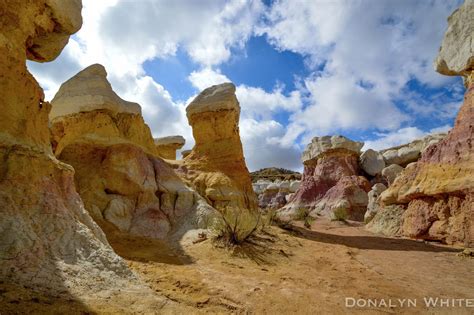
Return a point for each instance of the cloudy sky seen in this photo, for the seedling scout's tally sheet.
(302, 69)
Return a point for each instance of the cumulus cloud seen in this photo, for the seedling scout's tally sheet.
(262, 148)
(363, 54)
(360, 56)
(401, 136)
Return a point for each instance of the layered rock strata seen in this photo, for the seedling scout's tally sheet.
(331, 185)
(216, 166)
(47, 239)
(118, 174)
(438, 191)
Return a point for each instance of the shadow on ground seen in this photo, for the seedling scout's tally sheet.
(366, 242)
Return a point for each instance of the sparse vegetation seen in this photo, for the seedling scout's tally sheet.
(339, 214)
(235, 225)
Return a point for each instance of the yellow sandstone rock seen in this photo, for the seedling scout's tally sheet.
(166, 146)
(118, 174)
(47, 239)
(216, 166)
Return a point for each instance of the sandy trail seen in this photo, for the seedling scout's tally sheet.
(297, 271)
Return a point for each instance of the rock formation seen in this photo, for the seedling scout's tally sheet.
(216, 166)
(166, 146)
(48, 240)
(404, 154)
(118, 175)
(185, 153)
(372, 162)
(438, 191)
(331, 185)
(274, 195)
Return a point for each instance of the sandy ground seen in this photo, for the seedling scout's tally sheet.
(296, 271)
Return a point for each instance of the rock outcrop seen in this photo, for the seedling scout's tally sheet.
(438, 191)
(166, 146)
(118, 174)
(216, 166)
(372, 162)
(274, 195)
(331, 185)
(48, 241)
(407, 153)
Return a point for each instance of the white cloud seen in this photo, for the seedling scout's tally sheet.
(262, 148)
(206, 77)
(392, 139)
(363, 54)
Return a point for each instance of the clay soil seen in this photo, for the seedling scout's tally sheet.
(281, 271)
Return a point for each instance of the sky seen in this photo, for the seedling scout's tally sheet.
(302, 68)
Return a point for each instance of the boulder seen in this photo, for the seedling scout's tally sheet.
(118, 174)
(391, 172)
(456, 51)
(373, 201)
(166, 146)
(320, 145)
(331, 184)
(438, 191)
(372, 162)
(410, 152)
(48, 241)
(216, 166)
(274, 195)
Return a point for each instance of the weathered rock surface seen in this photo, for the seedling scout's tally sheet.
(166, 146)
(320, 145)
(331, 185)
(455, 55)
(438, 191)
(372, 162)
(216, 166)
(48, 241)
(185, 153)
(118, 175)
(373, 203)
(75, 95)
(274, 195)
(391, 172)
(410, 152)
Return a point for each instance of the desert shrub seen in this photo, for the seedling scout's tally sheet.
(339, 214)
(301, 214)
(235, 226)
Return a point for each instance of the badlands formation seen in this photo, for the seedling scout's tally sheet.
(97, 216)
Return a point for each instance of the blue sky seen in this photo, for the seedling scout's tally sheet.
(362, 69)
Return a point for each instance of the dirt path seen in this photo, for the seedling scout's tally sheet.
(308, 271)
(297, 271)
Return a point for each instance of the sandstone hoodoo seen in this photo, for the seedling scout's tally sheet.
(166, 146)
(48, 241)
(216, 165)
(438, 191)
(331, 185)
(118, 174)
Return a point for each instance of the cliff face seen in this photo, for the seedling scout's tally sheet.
(438, 192)
(48, 239)
(118, 175)
(216, 166)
